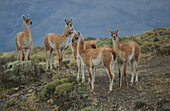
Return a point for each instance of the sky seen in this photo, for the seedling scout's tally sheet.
(93, 18)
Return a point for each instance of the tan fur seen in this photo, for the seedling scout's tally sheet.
(87, 45)
(94, 57)
(80, 66)
(59, 42)
(23, 40)
(124, 53)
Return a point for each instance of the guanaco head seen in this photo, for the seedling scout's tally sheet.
(69, 26)
(114, 34)
(76, 37)
(27, 20)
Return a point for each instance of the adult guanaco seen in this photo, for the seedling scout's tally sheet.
(59, 42)
(128, 52)
(79, 63)
(23, 40)
(95, 57)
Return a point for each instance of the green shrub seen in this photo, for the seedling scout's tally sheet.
(38, 58)
(165, 49)
(68, 51)
(150, 58)
(89, 38)
(58, 86)
(12, 102)
(37, 49)
(105, 42)
(64, 62)
(147, 47)
(139, 103)
(1, 54)
(60, 89)
(89, 108)
(72, 64)
(167, 74)
(5, 60)
(49, 88)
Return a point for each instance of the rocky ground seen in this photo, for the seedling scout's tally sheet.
(152, 92)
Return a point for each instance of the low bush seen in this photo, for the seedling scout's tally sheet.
(89, 38)
(105, 43)
(37, 49)
(139, 103)
(38, 58)
(60, 89)
(68, 51)
(1, 54)
(58, 86)
(72, 64)
(12, 102)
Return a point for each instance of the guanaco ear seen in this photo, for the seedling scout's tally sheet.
(78, 32)
(65, 20)
(71, 19)
(23, 17)
(110, 31)
(117, 30)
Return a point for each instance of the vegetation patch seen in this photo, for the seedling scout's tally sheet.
(38, 58)
(37, 49)
(68, 51)
(1, 54)
(72, 64)
(139, 103)
(166, 74)
(13, 102)
(62, 88)
(106, 42)
(58, 86)
(89, 108)
(49, 88)
(89, 38)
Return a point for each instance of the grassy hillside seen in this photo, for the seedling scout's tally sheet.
(155, 42)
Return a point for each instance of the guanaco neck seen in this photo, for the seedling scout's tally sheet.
(81, 46)
(64, 38)
(65, 32)
(116, 46)
(27, 32)
(74, 48)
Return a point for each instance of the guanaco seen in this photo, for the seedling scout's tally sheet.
(95, 57)
(128, 52)
(80, 65)
(54, 41)
(23, 40)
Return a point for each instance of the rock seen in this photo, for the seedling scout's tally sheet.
(19, 73)
(30, 90)
(166, 107)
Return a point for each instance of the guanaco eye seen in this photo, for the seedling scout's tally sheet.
(26, 20)
(70, 25)
(67, 23)
(111, 35)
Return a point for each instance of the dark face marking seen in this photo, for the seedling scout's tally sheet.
(27, 20)
(114, 35)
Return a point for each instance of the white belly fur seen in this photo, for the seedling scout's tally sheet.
(131, 56)
(97, 61)
(51, 45)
